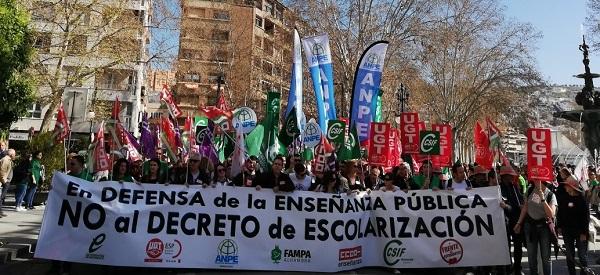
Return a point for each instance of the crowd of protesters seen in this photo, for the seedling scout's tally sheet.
(535, 211)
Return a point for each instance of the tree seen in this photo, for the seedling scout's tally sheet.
(593, 22)
(472, 64)
(16, 49)
(79, 40)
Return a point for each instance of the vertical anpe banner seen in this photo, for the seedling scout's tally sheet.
(379, 151)
(539, 154)
(152, 225)
(367, 80)
(409, 133)
(444, 159)
(318, 56)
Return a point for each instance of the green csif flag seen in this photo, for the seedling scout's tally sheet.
(290, 129)
(351, 148)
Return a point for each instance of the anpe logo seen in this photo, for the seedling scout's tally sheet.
(154, 249)
(94, 246)
(451, 251)
(373, 62)
(350, 256)
(393, 252)
(227, 253)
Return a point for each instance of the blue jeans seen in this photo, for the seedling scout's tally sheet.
(30, 195)
(571, 241)
(20, 194)
(538, 234)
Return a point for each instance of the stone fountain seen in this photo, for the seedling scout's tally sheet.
(590, 100)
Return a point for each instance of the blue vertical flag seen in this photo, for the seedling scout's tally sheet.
(318, 57)
(367, 80)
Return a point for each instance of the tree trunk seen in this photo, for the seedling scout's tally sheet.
(52, 108)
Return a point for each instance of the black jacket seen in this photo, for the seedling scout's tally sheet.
(573, 213)
(514, 199)
(240, 179)
(268, 180)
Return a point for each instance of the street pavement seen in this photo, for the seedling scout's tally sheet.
(20, 229)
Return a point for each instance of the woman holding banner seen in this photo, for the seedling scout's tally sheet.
(153, 175)
(536, 217)
(120, 171)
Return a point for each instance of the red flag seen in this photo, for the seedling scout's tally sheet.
(483, 155)
(116, 109)
(379, 151)
(539, 154)
(221, 103)
(101, 159)
(188, 133)
(168, 137)
(409, 123)
(213, 112)
(322, 150)
(61, 128)
(444, 159)
(167, 97)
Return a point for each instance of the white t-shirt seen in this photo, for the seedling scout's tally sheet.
(460, 185)
(394, 188)
(301, 184)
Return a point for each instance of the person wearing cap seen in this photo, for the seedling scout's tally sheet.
(479, 177)
(512, 201)
(388, 184)
(247, 176)
(572, 220)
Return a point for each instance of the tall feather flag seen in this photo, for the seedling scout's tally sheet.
(168, 99)
(367, 80)
(293, 111)
(239, 153)
(99, 156)
(318, 56)
(61, 128)
(148, 142)
(167, 136)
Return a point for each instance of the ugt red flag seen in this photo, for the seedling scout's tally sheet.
(444, 159)
(379, 151)
(409, 134)
(167, 97)
(539, 154)
(483, 154)
(61, 128)
(101, 160)
(394, 147)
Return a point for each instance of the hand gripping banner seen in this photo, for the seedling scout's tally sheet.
(150, 225)
(367, 80)
(318, 56)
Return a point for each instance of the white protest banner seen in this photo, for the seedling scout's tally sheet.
(173, 226)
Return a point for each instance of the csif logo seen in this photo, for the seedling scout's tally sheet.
(393, 252)
(430, 143)
(335, 130)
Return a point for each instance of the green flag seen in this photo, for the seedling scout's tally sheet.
(351, 148)
(272, 146)
(378, 105)
(290, 129)
(254, 140)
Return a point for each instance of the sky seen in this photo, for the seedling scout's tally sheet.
(559, 21)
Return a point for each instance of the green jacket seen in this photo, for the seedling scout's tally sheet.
(84, 175)
(36, 170)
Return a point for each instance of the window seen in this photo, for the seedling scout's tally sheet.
(267, 67)
(220, 35)
(34, 111)
(43, 11)
(266, 86)
(213, 77)
(269, 7)
(258, 21)
(43, 42)
(268, 47)
(72, 76)
(77, 45)
(190, 54)
(279, 13)
(191, 77)
(269, 27)
(196, 12)
(221, 15)
(258, 41)
(220, 55)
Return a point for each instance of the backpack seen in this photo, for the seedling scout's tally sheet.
(550, 222)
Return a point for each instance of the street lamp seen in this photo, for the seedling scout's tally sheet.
(91, 115)
(403, 96)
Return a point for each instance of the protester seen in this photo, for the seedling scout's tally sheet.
(594, 192)
(154, 175)
(221, 176)
(351, 179)
(330, 184)
(538, 208)
(403, 179)
(374, 181)
(522, 179)
(3, 149)
(195, 175)
(276, 179)
(22, 178)
(300, 178)
(121, 171)
(480, 178)
(388, 184)
(76, 166)
(38, 173)
(6, 173)
(492, 177)
(249, 173)
(459, 179)
(428, 177)
(291, 162)
(572, 220)
(512, 201)
(136, 170)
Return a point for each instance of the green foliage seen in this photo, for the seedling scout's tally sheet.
(16, 50)
(53, 154)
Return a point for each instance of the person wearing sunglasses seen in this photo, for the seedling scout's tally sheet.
(195, 175)
(352, 179)
(275, 179)
(220, 177)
